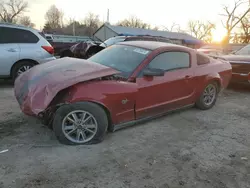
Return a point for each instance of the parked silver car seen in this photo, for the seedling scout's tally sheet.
(22, 48)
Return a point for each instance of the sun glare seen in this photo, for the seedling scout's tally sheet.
(218, 35)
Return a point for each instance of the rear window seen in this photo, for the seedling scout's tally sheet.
(121, 57)
(140, 38)
(202, 59)
(165, 40)
(42, 34)
(14, 35)
(112, 41)
(244, 51)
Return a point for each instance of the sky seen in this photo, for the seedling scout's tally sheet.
(156, 12)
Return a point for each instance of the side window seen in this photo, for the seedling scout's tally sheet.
(1, 35)
(244, 51)
(170, 61)
(164, 40)
(201, 59)
(132, 38)
(13, 35)
(140, 38)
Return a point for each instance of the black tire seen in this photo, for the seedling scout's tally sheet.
(66, 53)
(14, 73)
(201, 103)
(89, 54)
(94, 109)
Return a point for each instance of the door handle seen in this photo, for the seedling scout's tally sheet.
(12, 50)
(187, 76)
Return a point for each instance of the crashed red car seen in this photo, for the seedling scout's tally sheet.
(120, 86)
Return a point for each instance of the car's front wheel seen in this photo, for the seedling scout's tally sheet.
(80, 123)
(208, 97)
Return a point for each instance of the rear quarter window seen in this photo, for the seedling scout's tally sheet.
(202, 59)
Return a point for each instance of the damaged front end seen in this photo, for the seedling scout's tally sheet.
(40, 90)
(46, 117)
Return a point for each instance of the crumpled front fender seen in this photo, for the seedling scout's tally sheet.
(117, 97)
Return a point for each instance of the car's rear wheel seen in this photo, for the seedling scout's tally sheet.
(20, 68)
(80, 123)
(208, 97)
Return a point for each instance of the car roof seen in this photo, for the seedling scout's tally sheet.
(17, 26)
(153, 45)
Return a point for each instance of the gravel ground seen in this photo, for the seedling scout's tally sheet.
(190, 149)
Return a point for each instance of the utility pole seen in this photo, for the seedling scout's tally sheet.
(74, 28)
(108, 16)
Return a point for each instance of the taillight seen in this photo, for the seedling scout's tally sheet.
(49, 49)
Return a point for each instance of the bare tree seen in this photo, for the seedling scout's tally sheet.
(134, 22)
(54, 18)
(26, 21)
(156, 28)
(245, 29)
(201, 30)
(232, 20)
(92, 23)
(11, 9)
(173, 28)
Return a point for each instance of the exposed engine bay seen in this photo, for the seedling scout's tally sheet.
(113, 77)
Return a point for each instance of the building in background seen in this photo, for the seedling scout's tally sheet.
(107, 31)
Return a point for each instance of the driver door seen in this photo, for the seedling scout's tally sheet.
(158, 94)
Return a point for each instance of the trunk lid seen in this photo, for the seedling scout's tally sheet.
(35, 89)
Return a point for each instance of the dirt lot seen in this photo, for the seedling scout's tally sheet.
(190, 149)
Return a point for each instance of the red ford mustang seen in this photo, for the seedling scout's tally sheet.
(120, 86)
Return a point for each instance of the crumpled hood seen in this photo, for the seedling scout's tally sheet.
(81, 48)
(237, 58)
(35, 89)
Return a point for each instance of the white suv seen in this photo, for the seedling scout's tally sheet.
(22, 48)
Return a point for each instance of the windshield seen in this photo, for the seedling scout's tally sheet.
(122, 58)
(112, 41)
(243, 51)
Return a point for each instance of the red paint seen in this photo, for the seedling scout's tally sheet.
(154, 95)
(49, 49)
(109, 94)
(36, 88)
(145, 96)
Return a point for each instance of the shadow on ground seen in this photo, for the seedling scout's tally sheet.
(6, 83)
(239, 87)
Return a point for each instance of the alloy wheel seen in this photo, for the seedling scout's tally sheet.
(209, 94)
(79, 126)
(23, 69)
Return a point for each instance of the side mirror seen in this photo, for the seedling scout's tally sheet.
(153, 72)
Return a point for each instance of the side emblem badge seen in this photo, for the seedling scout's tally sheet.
(124, 101)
